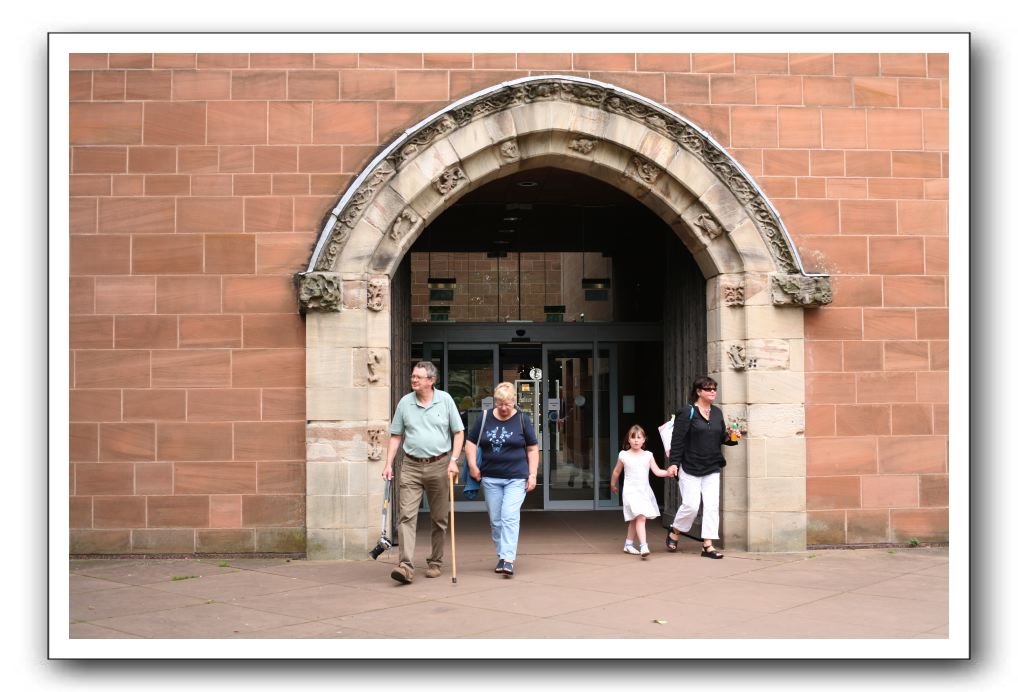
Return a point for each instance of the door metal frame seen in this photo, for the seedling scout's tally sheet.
(595, 350)
(470, 505)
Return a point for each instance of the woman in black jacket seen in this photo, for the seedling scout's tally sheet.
(697, 436)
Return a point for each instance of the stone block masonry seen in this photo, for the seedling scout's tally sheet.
(199, 183)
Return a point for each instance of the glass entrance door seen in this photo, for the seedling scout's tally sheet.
(471, 378)
(581, 427)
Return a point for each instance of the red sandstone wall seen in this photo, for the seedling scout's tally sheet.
(197, 187)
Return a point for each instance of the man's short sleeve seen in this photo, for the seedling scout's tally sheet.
(396, 427)
(455, 422)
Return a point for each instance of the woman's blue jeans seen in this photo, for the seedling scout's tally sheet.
(504, 497)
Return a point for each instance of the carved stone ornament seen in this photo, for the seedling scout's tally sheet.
(583, 145)
(737, 355)
(509, 151)
(376, 294)
(376, 450)
(351, 213)
(741, 422)
(319, 291)
(780, 251)
(641, 169)
(407, 222)
(804, 291)
(450, 180)
(374, 360)
(733, 295)
(593, 95)
(340, 234)
(421, 140)
(708, 225)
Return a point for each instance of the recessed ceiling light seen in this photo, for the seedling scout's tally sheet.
(510, 219)
(527, 183)
(507, 230)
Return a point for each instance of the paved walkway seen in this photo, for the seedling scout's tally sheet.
(572, 581)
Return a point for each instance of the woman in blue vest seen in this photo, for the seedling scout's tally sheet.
(508, 470)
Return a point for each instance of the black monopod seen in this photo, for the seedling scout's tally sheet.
(383, 541)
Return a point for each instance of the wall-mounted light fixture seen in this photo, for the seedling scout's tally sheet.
(554, 313)
(441, 287)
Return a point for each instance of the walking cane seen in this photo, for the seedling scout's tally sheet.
(452, 526)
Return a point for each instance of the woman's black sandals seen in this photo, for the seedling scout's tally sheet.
(711, 553)
(671, 543)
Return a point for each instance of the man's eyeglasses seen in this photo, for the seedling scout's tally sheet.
(418, 377)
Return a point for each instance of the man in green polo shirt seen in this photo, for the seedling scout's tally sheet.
(428, 426)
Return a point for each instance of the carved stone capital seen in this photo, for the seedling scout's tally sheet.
(377, 292)
(407, 222)
(733, 294)
(804, 291)
(320, 291)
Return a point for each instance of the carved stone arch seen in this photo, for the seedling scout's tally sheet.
(677, 170)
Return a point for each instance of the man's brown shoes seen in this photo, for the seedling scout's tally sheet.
(402, 574)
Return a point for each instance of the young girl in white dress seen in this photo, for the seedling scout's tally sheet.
(638, 500)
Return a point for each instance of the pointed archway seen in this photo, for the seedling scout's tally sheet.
(756, 288)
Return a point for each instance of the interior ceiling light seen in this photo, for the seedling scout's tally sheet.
(507, 230)
(510, 219)
(527, 183)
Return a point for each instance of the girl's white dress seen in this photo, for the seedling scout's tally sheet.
(637, 496)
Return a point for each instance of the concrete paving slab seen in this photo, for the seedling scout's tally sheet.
(431, 619)
(325, 601)
(658, 618)
(806, 574)
(626, 580)
(230, 587)
(918, 586)
(510, 596)
(326, 572)
(150, 571)
(80, 584)
(572, 582)
(126, 600)
(786, 625)
(864, 609)
(86, 630)
(761, 598)
(207, 621)
(940, 570)
(547, 629)
(878, 560)
(321, 629)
